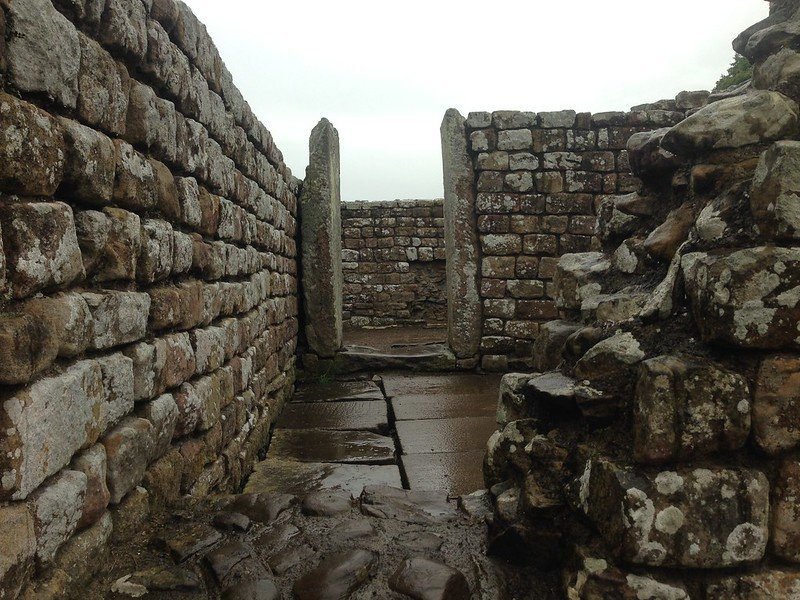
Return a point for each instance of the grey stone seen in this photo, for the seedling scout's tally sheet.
(57, 508)
(775, 193)
(732, 123)
(129, 447)
(425, 579)
(686, 408)
(44, 53)
(335, 577)
(464, 309)
(321, 242)
(747, 298)
(45, 424)
(697, 518)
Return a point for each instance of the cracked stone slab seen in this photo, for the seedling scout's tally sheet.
(321, 445)
(301, 478)
(365, 415)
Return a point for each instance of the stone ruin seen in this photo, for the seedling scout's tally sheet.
(162, 271)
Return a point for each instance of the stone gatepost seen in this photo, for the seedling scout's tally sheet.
(461, 239)
(321, 243)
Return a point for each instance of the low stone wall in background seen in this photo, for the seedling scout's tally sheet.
(393, 259)
(148, 276)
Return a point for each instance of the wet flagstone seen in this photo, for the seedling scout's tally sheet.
(457, 473)
(275, 474)
(405, 384)
(365, 415)
(335, 391)
(321, 445)
(447, 405)
(445, 435)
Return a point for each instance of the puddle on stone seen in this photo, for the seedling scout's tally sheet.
(328, 446)
(365, 415)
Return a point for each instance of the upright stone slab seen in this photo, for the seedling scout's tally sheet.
(461, 239)
(321, 239)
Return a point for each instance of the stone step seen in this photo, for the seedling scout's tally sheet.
(445, 435)
(320, 445)
(429, 358)
(350, 415)
(275, 475)
(457, 473)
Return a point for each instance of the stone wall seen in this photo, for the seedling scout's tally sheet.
(660, 427)
(148, 275)
(540, 180)
(394, 263)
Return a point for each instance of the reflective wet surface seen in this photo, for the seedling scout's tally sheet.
(427, 431)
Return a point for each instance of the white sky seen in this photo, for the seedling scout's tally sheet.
(385, 72)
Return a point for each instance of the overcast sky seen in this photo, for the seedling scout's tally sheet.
(384, 73)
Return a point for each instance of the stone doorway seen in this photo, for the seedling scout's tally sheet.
(395, 278)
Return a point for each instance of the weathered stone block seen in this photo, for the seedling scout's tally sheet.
(156, 252)
(747, 298)
(103, 86)
(27, 346)
(775, 194)
(179, 361)
(45, 424)
(614, 357)
(18, 549)
(92, 463)
(135, 182)
(557, 119)
(41, 246)
(117, 372)
(118, 317)
(515, 139)
(786, 512)
(755, 586)
(686, 407)
(209, 348)
(123, 27)
(163, 415)
(776, 404)
(550, 343)
(90, 164)
(67, 318)
(695, 518)
(129, 447)
(44, 53)
(120, 254)
(57, 508)
(189, 201)
(579, 277)
(32, 149)
(752, 118)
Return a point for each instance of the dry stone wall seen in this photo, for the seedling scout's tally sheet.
(148, 276)
(393, 257)
(540, 180)
(660, 427)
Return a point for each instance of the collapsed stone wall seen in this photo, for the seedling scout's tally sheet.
(655, 453)
(540, 180)
(393, 258)
(148, 272)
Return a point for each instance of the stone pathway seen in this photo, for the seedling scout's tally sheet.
(325, 515)
(418, 431)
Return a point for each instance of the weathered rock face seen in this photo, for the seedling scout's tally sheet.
(696, 518)
(321, 233)
(674, 401)
(776, 404)
(685, 408)
(747, 298)
(775, 195)
(753, 118)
